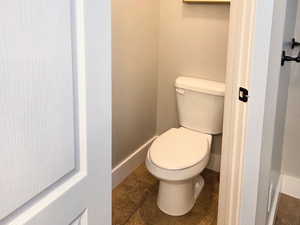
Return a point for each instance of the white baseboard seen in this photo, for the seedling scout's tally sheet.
(274, 206)
(127, 166)
(214, 162)
(291, 186)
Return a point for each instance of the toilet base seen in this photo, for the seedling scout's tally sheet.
(178, 198)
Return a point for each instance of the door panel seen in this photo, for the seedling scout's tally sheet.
(53, 161)
(37, 101)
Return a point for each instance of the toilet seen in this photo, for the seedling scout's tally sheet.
(178, 156)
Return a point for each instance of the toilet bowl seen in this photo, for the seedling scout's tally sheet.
(177, 158)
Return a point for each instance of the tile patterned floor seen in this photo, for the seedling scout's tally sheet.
(288, 211)
(134, 202)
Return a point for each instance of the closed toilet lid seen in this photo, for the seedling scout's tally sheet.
(179, 148)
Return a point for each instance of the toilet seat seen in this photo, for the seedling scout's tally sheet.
(179, 148)
(177, 158)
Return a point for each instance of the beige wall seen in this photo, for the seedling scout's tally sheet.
(134, 29)
(192, 42)
(154, 41)
(291, 150)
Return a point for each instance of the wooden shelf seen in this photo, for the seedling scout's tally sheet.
(207, 1)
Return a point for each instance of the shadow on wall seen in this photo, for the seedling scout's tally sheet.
(205, 11)
(134, 74)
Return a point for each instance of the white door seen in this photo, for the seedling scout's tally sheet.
(252, 139)
(55, 112)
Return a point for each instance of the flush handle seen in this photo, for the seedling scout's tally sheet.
(180, 91)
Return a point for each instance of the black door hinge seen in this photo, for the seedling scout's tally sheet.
(243, 94)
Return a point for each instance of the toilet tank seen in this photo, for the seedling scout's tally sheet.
(200, 104)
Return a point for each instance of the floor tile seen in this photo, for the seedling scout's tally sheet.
(134, 202)
(288, 211)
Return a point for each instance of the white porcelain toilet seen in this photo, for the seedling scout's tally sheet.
(178, 156)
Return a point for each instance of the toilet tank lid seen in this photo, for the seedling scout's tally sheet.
(201, 85)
